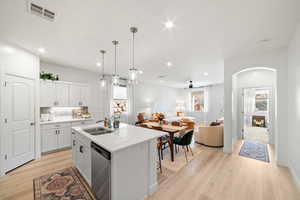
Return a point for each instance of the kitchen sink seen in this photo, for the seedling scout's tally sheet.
(98, 131)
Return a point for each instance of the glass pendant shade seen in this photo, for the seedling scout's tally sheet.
(115, 80)
(102, 82)
(133, 72)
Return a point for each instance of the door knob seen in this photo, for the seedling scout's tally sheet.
(32, 123)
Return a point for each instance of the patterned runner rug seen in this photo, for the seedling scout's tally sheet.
(255, 150)
(66, 184)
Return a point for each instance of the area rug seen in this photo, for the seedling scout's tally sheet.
(255, 150)
(66, 184)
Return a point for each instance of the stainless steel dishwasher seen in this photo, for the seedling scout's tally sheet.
(101, 177)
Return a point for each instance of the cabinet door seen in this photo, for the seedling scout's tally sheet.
(47, 94)
(49, 140)
(74, 146)
(84, 95)
(83, 160)
(62, 94)
(75, 95)
(64, 137)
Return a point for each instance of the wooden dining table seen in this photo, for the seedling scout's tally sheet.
(171, 130)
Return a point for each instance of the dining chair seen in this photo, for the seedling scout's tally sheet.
(185, 141)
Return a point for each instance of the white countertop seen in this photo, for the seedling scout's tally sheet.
(127, 135)
(62, 120)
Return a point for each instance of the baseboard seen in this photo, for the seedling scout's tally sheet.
(294, 175)
(282, 163)
(152, 188)
(227, 150)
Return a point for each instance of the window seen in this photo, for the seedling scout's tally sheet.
(197, 103)
(120, 101)
(119, 92)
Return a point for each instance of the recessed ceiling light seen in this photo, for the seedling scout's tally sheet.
(42, 50)
(169, 64)
(205, 74)
(8, 49)
(169, 24)
(98, 64)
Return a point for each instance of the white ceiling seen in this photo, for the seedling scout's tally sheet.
(206, 32)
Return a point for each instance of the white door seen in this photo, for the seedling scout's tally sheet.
(47, 94)
(19, 126)
(64, 137)
(75, 95)
(62, 94)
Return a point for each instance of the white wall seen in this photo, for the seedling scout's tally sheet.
(152, 98)
(277, 60)
(294, 105)
(97, 100)
(215, 104)
(251, 79)
(18, 62)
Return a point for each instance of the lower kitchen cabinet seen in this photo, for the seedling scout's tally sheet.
(49, 140)
(81, 154)
(56, 136)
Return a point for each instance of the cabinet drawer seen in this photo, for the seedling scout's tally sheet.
(55, 125)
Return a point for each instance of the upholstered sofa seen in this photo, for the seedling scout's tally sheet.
(212, 136)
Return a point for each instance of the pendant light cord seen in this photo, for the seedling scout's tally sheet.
(133, 50)
(103, 64)
(115, 58)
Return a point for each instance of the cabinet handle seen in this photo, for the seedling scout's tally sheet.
(74, 142)
(81, 149)
(55, 132)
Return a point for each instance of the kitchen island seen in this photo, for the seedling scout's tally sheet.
(118, 164)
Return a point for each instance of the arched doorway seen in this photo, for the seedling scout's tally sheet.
(254, 96)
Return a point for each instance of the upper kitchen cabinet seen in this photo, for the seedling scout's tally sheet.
(79, 95)
(47, 94)
(62, 94)
(54, 94)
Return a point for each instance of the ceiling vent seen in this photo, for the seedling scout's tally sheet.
(40, 11)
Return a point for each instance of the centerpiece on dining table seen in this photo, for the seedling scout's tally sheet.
(159, 117)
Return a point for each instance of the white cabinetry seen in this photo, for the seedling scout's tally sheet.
(81, 153)
(79, 95)
(47, 93)
(63, 94)
(55, 136)
(54, 93)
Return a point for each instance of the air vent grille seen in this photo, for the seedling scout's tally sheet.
(40, 11)
(49, 14)
(35, 9)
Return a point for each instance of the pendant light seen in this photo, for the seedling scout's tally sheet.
(133, 71)
(115, 78)
(102, 80)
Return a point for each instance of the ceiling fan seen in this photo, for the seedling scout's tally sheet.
(191, 85)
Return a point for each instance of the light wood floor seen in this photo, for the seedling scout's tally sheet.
(211, 175)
